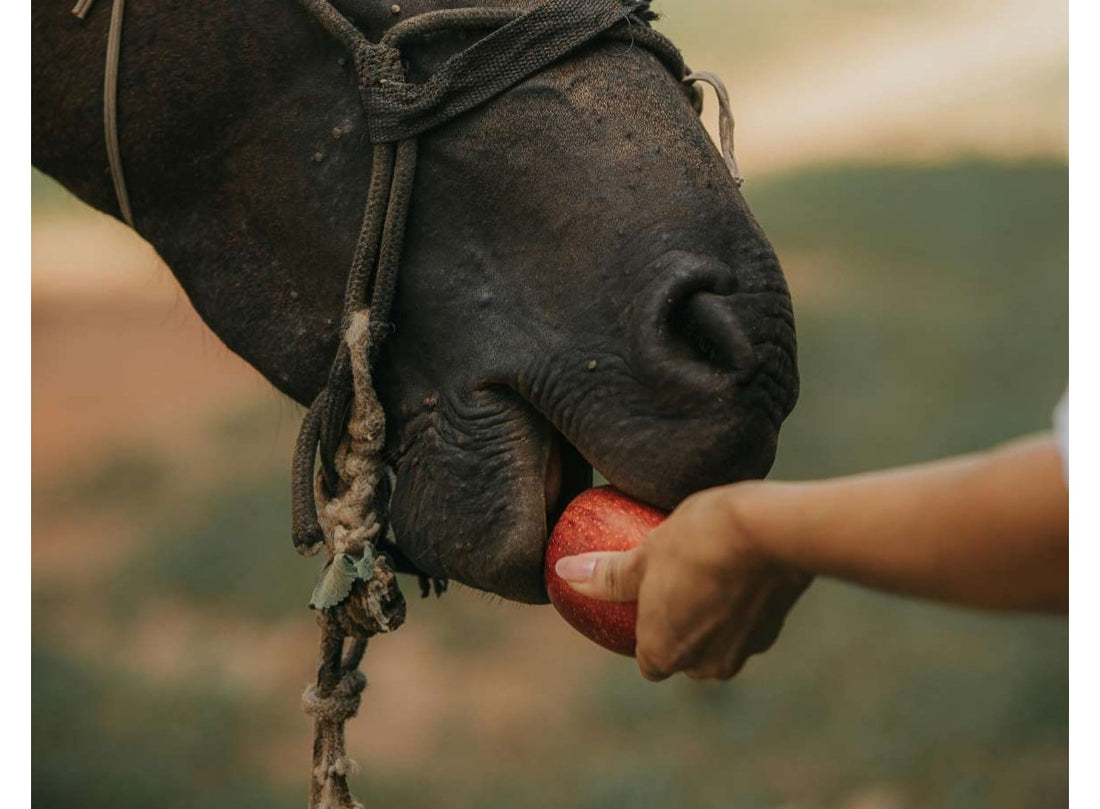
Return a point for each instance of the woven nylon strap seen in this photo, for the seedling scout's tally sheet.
(522, 46)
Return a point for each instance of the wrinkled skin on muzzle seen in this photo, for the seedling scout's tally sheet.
(583, 286)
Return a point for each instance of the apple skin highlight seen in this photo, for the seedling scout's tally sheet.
(600, 519)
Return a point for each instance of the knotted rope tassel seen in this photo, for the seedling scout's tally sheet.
(332, 701)
(357, 594)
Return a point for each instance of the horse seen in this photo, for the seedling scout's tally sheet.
(582, 284)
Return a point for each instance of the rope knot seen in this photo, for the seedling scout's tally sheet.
(341, 704)
(379, 63)
(342, 766)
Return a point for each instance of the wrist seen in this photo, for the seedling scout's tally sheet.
(742, 504)
(774, 518)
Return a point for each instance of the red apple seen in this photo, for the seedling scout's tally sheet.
(600, 519)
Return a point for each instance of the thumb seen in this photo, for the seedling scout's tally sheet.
(604, 575)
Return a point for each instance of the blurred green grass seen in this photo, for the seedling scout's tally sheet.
(931, 306)
(931, 309)
(104, 740)
(217, 557)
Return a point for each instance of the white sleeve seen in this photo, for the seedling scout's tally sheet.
(1061, 432)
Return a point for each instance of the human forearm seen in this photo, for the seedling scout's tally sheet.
(715, 580)
(987, 530)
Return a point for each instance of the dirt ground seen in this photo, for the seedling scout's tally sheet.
(123, 366)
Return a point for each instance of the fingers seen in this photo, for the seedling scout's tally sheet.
(665, 648)
(750, 627)
(769, 627)
(653, 672)
(725, 652)
(725, 670)
(604, 575)
(659, 662)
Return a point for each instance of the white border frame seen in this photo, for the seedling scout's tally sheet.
(1084, 403)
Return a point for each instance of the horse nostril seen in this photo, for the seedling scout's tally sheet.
(705, 329)
(690, 323)
(708, 325)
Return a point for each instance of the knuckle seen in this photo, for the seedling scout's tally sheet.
(634, 561)
(710, 672)
(619, 577)
(654, 666)
(609, 576)
(732, 667)
(764, 638)
(650, 672)
(667, 663)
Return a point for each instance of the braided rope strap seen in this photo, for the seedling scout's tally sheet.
(357, 594)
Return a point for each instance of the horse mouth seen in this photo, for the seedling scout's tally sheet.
(567, 475)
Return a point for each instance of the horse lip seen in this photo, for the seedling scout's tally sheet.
(567, 474)
(552, 484)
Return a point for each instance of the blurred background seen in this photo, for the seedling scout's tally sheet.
(909, 162)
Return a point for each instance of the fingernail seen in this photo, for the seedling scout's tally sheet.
(575, 568)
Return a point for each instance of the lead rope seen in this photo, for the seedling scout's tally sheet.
(344, 506)
(110, 101)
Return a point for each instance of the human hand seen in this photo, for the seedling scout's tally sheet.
(708, 598)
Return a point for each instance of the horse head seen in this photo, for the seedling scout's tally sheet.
(582, 284)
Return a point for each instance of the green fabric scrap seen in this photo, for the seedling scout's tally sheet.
(338, 578)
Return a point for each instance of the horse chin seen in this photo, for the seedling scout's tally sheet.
(476, 504)
(511, 563)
